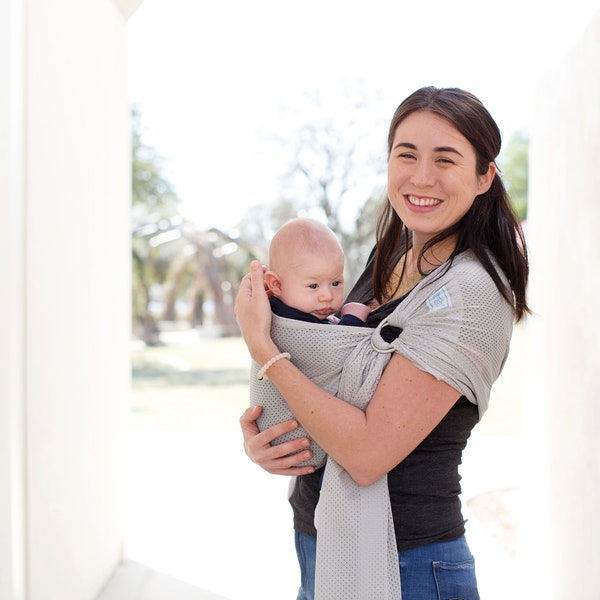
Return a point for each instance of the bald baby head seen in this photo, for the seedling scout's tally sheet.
(306, 268)
(300, 238)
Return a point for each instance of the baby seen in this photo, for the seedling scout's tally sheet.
(305, 280)
(306, 275)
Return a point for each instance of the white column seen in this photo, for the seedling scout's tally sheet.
(12, 295)
(561, 521)
(64, 302)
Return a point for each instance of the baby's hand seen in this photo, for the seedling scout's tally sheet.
(357, 309)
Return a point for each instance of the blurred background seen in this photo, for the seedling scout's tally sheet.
(149, 151)
(246, 115)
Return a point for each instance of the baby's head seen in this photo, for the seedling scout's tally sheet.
(306, 268)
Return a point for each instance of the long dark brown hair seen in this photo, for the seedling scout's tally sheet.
(489, 227)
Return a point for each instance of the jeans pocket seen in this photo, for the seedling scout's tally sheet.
(456, 581)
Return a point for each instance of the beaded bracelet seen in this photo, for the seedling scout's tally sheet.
(262, 373)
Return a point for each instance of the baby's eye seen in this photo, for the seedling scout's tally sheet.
(313, 286)
(336, 283)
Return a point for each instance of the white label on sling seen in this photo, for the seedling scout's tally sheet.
(439, 300)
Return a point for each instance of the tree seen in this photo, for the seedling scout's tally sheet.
(515, 168)
(173, 260)
(334, 173)
(154, 217)
(209, 265)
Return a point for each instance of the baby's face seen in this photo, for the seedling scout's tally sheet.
(313, 284)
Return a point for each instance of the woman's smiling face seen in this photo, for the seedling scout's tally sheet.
(432, 175)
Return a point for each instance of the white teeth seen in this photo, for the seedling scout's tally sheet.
(423, 201)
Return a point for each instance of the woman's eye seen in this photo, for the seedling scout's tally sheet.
(446, 161)
(407, 155)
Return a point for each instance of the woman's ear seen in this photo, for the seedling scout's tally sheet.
(485, 180)
(273, 283)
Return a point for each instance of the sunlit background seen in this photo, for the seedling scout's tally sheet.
(238, 109)
(245, 114)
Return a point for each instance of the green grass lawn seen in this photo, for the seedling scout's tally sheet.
(204, 385)
(190, 386)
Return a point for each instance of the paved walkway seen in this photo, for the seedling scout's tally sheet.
(133, 581)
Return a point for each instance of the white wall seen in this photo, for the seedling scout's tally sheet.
(64, 272)
(12, 314)
(561, 520)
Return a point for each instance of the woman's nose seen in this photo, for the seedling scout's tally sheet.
(423, 174)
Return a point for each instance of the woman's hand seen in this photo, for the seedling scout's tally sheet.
(280, 459)
(253, 313)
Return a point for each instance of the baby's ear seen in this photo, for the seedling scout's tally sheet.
(273, 283)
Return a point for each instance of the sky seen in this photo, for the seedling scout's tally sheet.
(216, 82)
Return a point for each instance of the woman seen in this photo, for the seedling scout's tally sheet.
(447, 207)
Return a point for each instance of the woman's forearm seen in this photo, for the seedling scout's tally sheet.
(335, 425)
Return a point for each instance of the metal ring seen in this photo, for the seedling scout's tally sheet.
(382, 350)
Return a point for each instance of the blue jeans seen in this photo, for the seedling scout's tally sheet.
(441, 571)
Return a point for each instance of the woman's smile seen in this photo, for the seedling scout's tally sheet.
(421, 201)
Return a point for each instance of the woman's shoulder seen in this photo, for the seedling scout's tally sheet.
(467, 261)
(462, 282)
(468, 265)
(477, 286)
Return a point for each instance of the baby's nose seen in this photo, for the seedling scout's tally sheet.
(326, 294)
